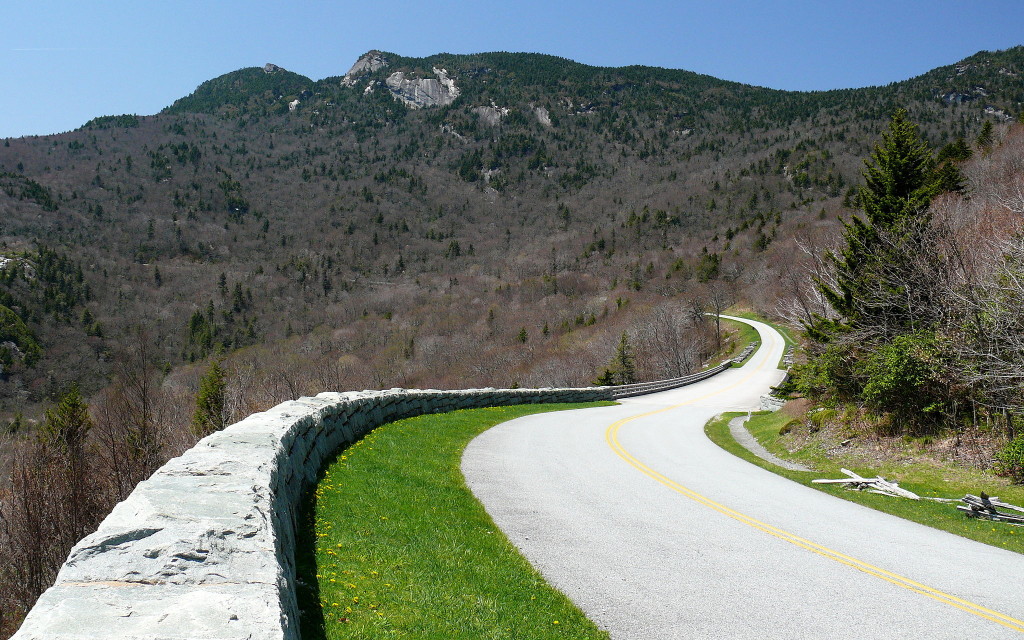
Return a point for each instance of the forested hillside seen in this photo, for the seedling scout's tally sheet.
(496, 219)
(491, 219)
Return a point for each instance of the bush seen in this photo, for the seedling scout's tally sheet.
(830, 374)
(1010, 461)
(904, 378)
(788, 427)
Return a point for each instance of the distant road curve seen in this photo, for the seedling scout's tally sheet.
(657, 533)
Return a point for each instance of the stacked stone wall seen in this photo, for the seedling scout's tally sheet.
(204, 549)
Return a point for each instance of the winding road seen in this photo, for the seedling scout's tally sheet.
(657, 533)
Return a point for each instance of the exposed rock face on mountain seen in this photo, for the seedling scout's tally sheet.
(271, 68)
(491, 115)
(543, 116)
(423, 92)
(364, 66)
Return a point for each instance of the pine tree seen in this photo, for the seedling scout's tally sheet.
(606, 378)
(624, 363)
(901, 180)
(622, 367)
(209, 415)
(64, 433)
(68, 424)
(985, 137)
(881, 341)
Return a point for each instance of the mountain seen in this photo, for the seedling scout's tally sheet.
(497, 218)
(244, 91)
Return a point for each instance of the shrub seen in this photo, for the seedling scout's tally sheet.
(788, 427)
(1010, 461)
(904, 378)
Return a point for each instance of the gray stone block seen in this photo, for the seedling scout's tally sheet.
(158, 612)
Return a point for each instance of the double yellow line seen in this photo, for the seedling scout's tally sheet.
(612, 438)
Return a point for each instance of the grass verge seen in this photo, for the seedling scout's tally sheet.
(786, 332)
(922, 479)
(396, 546)
(737, 336)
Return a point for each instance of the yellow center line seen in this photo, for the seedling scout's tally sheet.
(612, 438)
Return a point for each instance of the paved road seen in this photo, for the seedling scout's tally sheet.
(657, 533)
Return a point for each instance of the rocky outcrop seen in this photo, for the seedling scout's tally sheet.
(271, 68)
(491, 115)
(957, 97)
(364, 66)
(543, 116)
(999, 113)
(417, 93)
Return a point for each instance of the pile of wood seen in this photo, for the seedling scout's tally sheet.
(878, 484)
(982, 506)
(985, 507)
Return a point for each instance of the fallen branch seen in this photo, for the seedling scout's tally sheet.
(878, 484)
(985, 507)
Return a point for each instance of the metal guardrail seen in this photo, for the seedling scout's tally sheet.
(641, 388)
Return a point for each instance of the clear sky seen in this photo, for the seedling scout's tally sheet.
(65, 61)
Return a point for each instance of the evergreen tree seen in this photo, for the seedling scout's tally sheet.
(622, 367)
(901, 180)
(64, 434)
(67, 425)
(985, 137)
(880, 346)
(606, 378)
(624, 363)
(956, 151)
(210, 415)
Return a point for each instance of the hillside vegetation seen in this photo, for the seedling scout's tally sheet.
(496, 219)
(551, 201)
(914, 320)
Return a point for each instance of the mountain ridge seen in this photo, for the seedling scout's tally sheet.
(547, 69)
(266, 205)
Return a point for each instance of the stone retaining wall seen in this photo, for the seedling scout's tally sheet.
(204, 549)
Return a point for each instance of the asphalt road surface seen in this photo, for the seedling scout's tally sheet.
(655, 532)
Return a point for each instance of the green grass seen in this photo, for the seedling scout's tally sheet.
(739, 336)
(396, 546)
(922, 479)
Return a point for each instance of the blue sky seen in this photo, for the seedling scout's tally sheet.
(65, 61)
